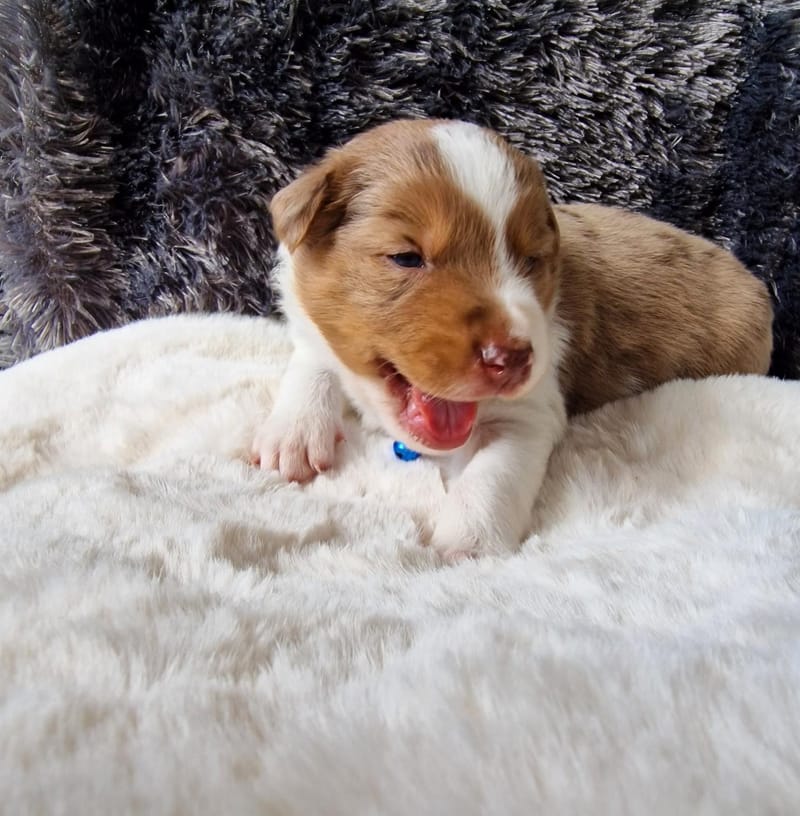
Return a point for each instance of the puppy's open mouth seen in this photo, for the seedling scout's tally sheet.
(439, 424)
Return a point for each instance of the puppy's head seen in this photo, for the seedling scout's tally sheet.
(426, 253)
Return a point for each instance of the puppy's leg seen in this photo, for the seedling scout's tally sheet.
(488, 505)
(299, 437)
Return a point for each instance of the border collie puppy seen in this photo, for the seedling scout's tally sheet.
(428, 279)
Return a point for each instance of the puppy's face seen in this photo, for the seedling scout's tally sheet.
(426, 254)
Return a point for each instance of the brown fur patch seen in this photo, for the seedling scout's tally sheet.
(646, 302)
(532, 230)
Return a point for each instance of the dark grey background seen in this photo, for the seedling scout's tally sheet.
(140, 142)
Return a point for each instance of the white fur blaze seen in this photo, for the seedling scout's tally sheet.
(481, 169)
(484, 172)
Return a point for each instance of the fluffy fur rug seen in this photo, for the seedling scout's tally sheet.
(180, 633)
(140, 142)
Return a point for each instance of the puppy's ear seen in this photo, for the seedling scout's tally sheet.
(313, 205)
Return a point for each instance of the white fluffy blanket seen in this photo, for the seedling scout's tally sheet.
(180, 633)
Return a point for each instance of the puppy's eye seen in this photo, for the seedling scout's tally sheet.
(408, 260)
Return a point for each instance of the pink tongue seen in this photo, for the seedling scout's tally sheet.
(443, 423)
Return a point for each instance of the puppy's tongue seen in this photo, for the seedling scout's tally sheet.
(440, 424)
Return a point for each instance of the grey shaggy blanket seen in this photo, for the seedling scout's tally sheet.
(140, 142)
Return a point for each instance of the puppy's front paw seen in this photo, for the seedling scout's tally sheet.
(299, 445)
(461, 532)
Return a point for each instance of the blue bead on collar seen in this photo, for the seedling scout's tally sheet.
(405, 454)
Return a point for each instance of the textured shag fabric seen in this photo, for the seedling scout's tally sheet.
(140, 142)
(183, 634)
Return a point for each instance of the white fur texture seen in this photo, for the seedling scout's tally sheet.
(181, 633)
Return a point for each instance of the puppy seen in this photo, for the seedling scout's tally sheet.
(426, 276)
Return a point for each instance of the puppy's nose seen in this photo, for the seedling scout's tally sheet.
(507, 365)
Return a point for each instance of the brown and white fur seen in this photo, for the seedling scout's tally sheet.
(518, 310)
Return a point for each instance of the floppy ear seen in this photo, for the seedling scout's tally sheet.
(311, 206)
